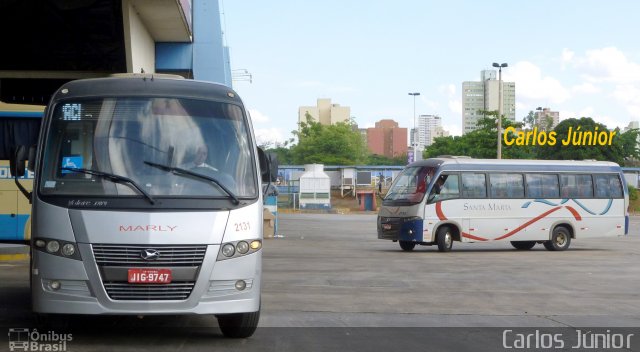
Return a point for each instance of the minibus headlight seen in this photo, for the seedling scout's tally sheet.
(53, 246)
(237, 249)
(228, 250)
(68, 249)
(58, 248)
(242, 247)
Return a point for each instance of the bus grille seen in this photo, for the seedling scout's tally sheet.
(114, 255)
(127, 255)
(136, 292)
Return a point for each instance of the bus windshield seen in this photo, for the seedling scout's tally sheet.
(410, 185)
(92, 143)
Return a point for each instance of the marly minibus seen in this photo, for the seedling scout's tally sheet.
(445, 199)
(147, 200)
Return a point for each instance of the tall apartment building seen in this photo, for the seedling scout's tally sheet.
(387, 139)
(484, 95)
(544, 116)
(429, 127)
(325, 112)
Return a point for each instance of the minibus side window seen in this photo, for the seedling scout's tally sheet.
(445, 187)
(506, 185)
(542, 186)
(608, 186)
(576, 186)
(474, 185)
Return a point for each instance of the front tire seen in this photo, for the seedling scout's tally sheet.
(407, 246)
(238, 325)
(444, 238)
(560, 239)
(523, 245)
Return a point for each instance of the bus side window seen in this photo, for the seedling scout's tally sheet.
(542, 186)
(474, 185)
(506, 185)
(448, 190)
(608, 186)
(576, 186)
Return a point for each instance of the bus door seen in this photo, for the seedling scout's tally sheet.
(8, 205)
(444, 196)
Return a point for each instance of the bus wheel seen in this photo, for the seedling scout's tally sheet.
(523, 245)
(238, 325)
(444, 238)
(407, 245)
(560, 239)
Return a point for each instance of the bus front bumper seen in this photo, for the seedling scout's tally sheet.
(81, 290)
(400, 229)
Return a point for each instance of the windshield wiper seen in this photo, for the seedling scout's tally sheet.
(182, 172)
(113, 178)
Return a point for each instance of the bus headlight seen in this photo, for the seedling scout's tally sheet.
(58, 248)
(53, 246)
(228, 250)
(238, 249)
(68, 249)
(243, 247)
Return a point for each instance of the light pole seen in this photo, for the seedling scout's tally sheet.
(499, 66)
(415, 130)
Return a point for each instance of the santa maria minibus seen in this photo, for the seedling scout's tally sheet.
(147, 200)
(445, 199)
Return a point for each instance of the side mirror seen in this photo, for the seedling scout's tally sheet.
(17, 163)
(264, 165)
(31, 165)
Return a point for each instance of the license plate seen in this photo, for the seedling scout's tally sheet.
(386, 226)
(149, 276)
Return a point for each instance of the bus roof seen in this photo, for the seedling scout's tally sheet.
(470, 164)
(145, 86)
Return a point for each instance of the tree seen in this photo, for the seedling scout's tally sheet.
(622, 146)
(338, 144)
(529, 120)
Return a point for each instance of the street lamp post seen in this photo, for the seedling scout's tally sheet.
(415, 129)
(499, 66)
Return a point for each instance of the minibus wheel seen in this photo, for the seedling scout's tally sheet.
(444, 238)
(523, 245)
(238, 325)
(560, 239)
(407, 245)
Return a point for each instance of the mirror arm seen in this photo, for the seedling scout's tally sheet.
(22, 189)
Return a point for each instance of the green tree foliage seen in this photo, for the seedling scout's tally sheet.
(622, 145)
(338, 144)
(374, 159)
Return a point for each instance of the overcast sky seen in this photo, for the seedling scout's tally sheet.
(579, 57)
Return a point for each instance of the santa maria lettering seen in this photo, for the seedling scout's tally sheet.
(485, 207)
(575, 137)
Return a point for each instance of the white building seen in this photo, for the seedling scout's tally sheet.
(429, 127)
(484, 95)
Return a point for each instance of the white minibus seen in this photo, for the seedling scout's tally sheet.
(441, 200)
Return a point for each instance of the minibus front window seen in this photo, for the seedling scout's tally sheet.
(410, 186)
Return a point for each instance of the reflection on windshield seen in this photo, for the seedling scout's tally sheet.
(410, 185)
(117, 136)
